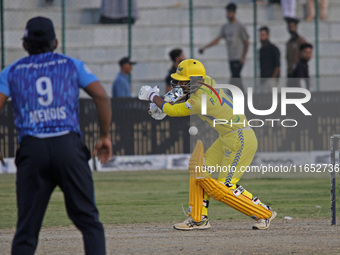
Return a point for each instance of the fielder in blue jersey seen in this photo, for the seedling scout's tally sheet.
(44, 88)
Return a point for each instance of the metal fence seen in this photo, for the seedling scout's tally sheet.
(78, 32)
(134, 132)
(184, 23)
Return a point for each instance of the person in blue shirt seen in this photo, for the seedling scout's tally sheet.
(121, 86)
(44, 88)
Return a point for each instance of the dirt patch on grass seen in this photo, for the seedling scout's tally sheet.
(284, 237)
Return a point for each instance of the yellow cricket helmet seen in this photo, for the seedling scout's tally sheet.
(189, 68)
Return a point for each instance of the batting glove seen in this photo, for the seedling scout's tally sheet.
(148, 93)
(155, 112)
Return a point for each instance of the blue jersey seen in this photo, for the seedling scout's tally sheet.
(45, 91)
(121, 86)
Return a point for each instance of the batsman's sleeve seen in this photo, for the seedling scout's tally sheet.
(176, 110)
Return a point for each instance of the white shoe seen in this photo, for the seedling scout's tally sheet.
(189, 224)
(262, 224)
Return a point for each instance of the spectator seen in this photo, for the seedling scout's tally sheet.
(237, 40)
(323, 6)
(269, 62)
(288, 9)
(301, 70)
(293, 45)
(122, 86)
(117, 12)
(176, 56)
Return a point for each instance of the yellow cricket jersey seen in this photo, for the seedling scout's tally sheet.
(219, 109)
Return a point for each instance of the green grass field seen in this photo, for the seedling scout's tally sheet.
(157, 196)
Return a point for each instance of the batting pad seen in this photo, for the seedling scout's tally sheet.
(195, 190)
(234, 199)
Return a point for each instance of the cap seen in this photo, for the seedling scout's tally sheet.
(39, 29)
(126, 60)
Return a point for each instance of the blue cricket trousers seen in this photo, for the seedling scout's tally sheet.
(43, 164)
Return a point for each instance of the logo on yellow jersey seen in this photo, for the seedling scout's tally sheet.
(209, 93)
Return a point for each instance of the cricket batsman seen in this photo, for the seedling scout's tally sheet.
(234, 148)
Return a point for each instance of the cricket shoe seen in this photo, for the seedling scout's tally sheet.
(189, 224)
(262, 224)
